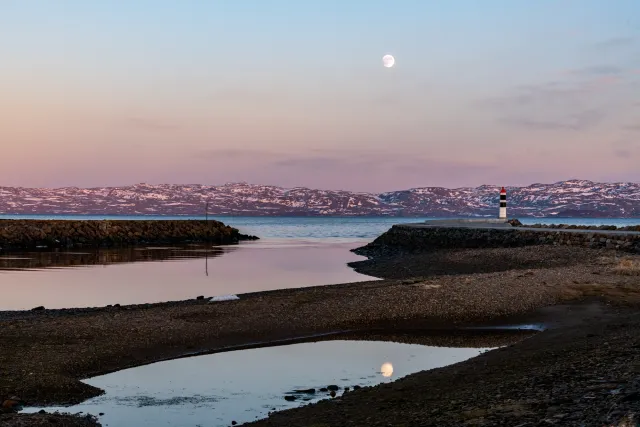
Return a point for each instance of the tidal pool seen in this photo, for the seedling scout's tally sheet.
(245, 385)
(156, 274)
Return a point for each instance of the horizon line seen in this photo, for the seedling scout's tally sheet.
(320, 189)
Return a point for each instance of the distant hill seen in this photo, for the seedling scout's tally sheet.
(575, 198)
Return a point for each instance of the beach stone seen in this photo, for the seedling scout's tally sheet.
(631, 397)
(12, 404)
(333, 388)
(289, 398)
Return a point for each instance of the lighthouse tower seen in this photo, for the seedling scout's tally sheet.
(503, 204)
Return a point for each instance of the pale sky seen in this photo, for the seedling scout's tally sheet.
(293, 93)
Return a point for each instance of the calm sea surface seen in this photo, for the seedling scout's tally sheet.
(343, 229)
(292, 252)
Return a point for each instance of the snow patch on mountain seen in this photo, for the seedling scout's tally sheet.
(565, 198)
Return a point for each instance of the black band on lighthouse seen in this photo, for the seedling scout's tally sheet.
(503, 204)
(503, 197)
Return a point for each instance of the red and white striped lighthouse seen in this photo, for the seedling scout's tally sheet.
(503, 204)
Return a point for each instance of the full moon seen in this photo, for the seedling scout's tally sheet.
(386, 370)
(388, 61)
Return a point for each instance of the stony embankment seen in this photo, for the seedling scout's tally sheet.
(410, 237)
(30, 234)
(636, 228)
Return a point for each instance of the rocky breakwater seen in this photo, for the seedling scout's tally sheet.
(418, 237)
(31, 234)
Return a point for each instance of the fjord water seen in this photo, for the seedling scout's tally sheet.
(292, 252)
(242, 386)
(156, 274)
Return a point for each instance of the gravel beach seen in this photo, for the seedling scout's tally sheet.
(585, 363)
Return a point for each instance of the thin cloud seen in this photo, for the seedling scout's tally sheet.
(244, 94)
(580, 101)
(614, 43)
(575, 121)
(635, 128)
(149, 124)
(235, 154)
(623, 154)
(598, 70)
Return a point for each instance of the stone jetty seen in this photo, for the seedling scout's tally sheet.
(20, 234)
(451, 234)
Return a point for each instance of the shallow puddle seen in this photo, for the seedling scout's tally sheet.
(245, 385)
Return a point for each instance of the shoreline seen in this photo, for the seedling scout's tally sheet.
(21, 234)
(60, 347)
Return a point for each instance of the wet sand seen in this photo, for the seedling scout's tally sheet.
(44, 354)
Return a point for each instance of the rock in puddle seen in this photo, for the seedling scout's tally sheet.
(13, 403)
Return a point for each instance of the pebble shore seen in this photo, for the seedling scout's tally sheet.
(585, 363)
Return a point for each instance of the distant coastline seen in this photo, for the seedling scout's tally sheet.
(565, 199)
(115, 216)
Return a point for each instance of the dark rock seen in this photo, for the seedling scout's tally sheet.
(289, 398)
(11, 405)
(333, 388)
(306, 391)
(233, 423)
(333, 393)
(356, 387)
(39, 308)
(631, 397)
(200, 297)
(324, 390)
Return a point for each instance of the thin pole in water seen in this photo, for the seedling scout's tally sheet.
(206, 253)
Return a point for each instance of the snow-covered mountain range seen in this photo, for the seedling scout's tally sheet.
(563, 199)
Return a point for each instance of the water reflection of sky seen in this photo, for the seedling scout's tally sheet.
(137, 275)
(214, 390)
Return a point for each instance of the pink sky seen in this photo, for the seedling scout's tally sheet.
(153, 95)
